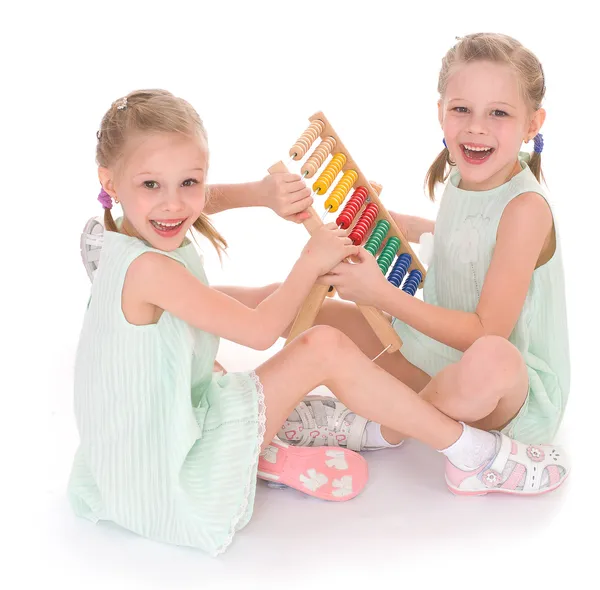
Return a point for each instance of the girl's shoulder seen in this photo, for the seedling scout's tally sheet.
(118, 246)
(120, 251)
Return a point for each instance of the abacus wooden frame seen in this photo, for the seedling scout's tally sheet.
(309, 310)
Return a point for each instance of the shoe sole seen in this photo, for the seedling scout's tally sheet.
(291, 465)
(547, 490)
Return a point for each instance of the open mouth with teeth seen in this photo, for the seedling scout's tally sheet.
(167, 228)
(476, 154)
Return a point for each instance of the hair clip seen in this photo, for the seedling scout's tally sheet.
(122, 104)
(105, 199)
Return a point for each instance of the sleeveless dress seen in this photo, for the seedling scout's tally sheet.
(464, 241)
(168, 449)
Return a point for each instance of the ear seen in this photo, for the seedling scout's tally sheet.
(440, 112)
(536, 123)
(106, 180)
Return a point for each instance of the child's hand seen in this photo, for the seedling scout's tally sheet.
(288, 195)
(327, 247)
(376, 186)
(360, 282)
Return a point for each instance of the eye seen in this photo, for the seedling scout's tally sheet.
(499, 113)
(189, 182)
(151, 184)
(460, 109)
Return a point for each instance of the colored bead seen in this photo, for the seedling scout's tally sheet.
(353, 206)
(329, 174)
(338, 194)
(377, 236)
(318, 157)
(400, 269)
(412, 282)
(304, 142)
(363, 225)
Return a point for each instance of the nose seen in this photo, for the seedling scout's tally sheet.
(477, 124)
(172, 200)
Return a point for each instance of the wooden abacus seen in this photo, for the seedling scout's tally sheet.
(364, 201)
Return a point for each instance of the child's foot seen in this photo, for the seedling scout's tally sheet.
(515, 468)
(91, 245)
(325, 421)
(326, 473)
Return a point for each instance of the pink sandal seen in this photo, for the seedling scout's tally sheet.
(329, 473)
(517, 468)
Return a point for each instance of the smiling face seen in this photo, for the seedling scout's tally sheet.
(161, 185)
(485, 120)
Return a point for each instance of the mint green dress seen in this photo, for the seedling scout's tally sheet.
(464, 241)
(168, 449)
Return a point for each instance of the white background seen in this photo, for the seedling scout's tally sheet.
(255, 72)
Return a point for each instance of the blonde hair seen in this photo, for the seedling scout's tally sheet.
(496, 48)
(150, 111)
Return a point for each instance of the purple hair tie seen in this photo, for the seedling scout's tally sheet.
(538, 143)
(105, 199)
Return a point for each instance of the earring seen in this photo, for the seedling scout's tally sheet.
(116, 200)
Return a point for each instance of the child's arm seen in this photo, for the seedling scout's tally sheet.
(413, 227)
(249, 296)
(523, 237)
(162, 282)
(286, 194)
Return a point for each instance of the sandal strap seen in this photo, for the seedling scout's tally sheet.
(518, 453)
(355, 436)
(336, 422)
(535, 468)
(319, 412)
(305, 415)
(499, 462)
(94, 239)
(308, 423)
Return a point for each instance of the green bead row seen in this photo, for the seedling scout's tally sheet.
(377, 236)
(388, 254)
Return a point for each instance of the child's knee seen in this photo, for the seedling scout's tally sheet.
(325, 340)
(491, 364)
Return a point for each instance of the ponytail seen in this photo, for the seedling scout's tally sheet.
(438, 172)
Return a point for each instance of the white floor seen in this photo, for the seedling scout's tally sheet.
(405, 526)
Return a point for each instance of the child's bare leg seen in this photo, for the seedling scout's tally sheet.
(478, 461)
(346, 317)
(485, 389)
(323, 356)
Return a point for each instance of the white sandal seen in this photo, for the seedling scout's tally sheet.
(517, 468)
(323, 422)
(91, 242)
